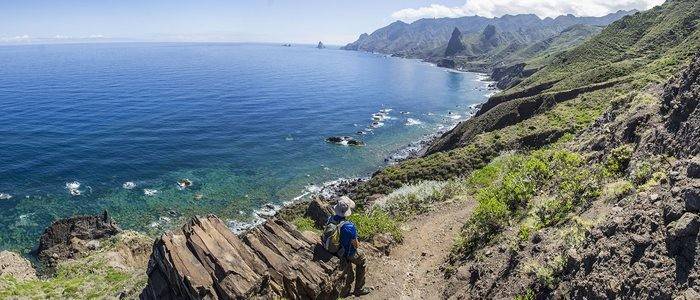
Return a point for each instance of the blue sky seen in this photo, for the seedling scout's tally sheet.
(301, 21)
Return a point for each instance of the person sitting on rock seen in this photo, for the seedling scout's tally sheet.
(349, 252)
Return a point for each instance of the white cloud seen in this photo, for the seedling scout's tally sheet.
(542, 8)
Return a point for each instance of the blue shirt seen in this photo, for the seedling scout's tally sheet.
(348, 233)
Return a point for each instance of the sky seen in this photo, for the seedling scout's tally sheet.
(295, 21)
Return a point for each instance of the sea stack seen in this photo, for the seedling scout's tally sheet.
(455, 45)
(320, 45)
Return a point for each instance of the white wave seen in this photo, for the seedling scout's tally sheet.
(129, 185)
(411, 122)
(183, 183)
(162, 221)
(385, 110)
(377, 124)
(455, 117)
(5, 196)
(73, 185)
(150, 192)
(259, 217)
(74, 188)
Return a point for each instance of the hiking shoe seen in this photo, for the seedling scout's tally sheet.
(361, 292)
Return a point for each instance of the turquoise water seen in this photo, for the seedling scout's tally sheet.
(244, 123)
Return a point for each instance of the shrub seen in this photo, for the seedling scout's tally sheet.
(642, 173)
(616, 190)
(304, 224)
(414, 199)
(515, 181)
(656, 179)
(376, 222)
(618, 160)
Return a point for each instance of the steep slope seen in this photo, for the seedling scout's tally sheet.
(455, 46)
(586, 175)
(646, 47)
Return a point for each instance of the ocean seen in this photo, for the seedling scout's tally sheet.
(92, 127)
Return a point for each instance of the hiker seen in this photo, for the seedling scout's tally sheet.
(340, 238)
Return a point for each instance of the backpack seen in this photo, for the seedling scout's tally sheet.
(331, 238)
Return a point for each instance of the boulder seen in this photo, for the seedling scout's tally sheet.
(319, 211)
(691, 197)
(13, 264)
(694, 168)
(205, 260)
(70, 238)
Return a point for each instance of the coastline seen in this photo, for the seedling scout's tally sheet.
(172, 218)
(340, 186)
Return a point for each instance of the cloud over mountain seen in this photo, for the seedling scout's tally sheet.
(542, 8)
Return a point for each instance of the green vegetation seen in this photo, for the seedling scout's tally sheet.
(304, 224)
(616, 190)
(374, 223)
(414, 199)
(618, 161)
(546, 273)
(648, 46)
(528, 295)
(569, 117)
(96, 276)
(80, 279)
(559, 175)
(574, 234)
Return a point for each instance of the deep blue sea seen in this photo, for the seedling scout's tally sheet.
(84, 128)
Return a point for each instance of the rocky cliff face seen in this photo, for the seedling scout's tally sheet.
(207, 261)
(70, 238)
(680, 105)
(455, 46)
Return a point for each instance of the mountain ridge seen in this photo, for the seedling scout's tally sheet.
(420, 39)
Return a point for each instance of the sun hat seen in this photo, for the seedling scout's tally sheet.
(344, 207)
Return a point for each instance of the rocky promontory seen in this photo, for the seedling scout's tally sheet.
(205, 260)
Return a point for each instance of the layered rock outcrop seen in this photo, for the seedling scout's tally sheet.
(207, 261)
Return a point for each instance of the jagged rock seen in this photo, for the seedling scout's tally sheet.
(455, 45)
(13, 264)
(681, 100)
(320, 45)
(509, 76)
(691, 196)
(383, 242)
(694, 168)
(490, 36)
(686, 226)
(68, 238)
(207, 261)
(319, 211)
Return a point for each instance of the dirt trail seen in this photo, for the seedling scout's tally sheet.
(412, 271)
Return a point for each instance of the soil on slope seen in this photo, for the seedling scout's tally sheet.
(413, 268)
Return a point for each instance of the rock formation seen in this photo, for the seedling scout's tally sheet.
(489, 37)
(72, 237)
(455, 45)
(321, 45)
(207, 261)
